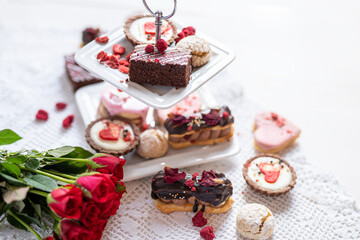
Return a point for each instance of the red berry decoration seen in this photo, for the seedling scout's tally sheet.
(61, 105)
(149, 49)
(104, 39)
(191, 30)
(123, 69)
(111, 132)
(124, 62)
(199, 220)
(101, 55)
(186, 32)
(207, 233)
(161, 45)
(42, 115)
(117, 49)
(68, 121)
(128, 56)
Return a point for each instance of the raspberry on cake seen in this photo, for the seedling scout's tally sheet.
(170, 68)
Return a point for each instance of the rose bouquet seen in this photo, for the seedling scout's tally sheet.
(79, 191)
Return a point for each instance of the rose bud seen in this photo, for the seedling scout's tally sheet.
(100, 187)
(66, 201)
(70, 230)
(114, 165)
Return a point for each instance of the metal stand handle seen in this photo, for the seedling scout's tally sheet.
(158, 19)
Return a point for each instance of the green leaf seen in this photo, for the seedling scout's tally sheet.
(41, 182)
(19, 205)
(12, 168)
(32, 163)
(79, 153)
(15, 194)
(7, 207)
(68, 167)
(7, 136)
(17, 159)
(15, 222)
(61, 151)
(37, 208)
(120, 188)
(12, 180)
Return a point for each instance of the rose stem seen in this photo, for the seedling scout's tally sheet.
(25, 224)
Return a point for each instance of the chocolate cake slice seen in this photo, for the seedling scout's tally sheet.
(206, 127)
(78, 76)
(171, 68)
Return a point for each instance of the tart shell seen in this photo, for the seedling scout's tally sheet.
(132, 39)
(265, 191)
(99, 149)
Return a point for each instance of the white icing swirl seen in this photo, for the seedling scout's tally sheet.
(255, 174)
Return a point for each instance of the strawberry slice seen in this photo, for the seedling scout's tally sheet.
(111, 132)
(271, 173)
(149, 28)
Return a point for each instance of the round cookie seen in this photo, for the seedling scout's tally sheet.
(153, 144)
(269, 174)
(200, 49)
(112, 135)
(255, 221)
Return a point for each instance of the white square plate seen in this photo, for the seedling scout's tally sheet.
(159, 97)
(88, 98)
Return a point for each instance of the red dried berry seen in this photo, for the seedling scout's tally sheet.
(112, 64)
(128, 56)
(199, 220)
(61, 105)
(124, 62)
(181, 35)
(191, 30)
(193, 189)
(68, 121)
(189, 183)
(117, 49)
(103, 39)
(123, 69)
(186, 32)
(161, 45)
(42, 115)
(274, 116)
(195, 175)
(114, 58)
(149, 49)
(207, 233)
(225, 115)
(101, 55)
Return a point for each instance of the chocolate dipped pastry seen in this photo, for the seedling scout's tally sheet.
(206, 127)
(173, 191)
(113, 135)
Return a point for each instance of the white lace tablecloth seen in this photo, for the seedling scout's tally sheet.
(32, 76)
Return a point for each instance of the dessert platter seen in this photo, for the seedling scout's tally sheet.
(206, 163)
(187, 60)
(100, 101)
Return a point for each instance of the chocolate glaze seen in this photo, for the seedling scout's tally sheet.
(214, 195)
(173, 128)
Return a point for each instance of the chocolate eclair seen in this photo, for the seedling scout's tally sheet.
(173, 191)
(206, 127)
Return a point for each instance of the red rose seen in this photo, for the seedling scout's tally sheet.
(71, 230)
(113, 207)
(114, 165)
(90, 215)
(101, 188)
(49, 238)
(66, 201)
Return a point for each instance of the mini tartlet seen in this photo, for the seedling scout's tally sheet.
(113, 135)
(140, 29)
(269, 174)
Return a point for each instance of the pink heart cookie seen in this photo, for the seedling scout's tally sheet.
(273, 132)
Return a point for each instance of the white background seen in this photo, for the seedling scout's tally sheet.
(298, 58)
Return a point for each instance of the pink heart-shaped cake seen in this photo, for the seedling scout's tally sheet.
(273, 132)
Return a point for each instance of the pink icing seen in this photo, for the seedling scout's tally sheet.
(273, 130)
(119, 102)
(189, 105)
